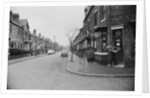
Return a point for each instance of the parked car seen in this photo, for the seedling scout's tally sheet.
(64, 53)
(50, 52)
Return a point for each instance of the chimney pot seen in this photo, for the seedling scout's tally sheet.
(34, 32)
(39, 34)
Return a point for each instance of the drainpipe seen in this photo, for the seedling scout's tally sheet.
(109, 37)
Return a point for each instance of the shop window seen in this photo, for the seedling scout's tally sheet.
(104, 41)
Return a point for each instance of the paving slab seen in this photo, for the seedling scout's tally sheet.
(81, 66)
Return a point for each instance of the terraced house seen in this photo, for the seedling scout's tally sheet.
(16, 32)
(26, 33)
(21, 40)
(105, 27)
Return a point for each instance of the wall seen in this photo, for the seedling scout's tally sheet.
(126, 15)
(111, 16)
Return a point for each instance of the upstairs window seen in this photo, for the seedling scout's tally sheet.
(103, 12)
(95, 19)
(10, 28)
(18, 31)
(29, 37)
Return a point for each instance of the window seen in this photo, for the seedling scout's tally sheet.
(104, 41)
(10, 28)
(29, 37)
(10, 44)
(95, 44)
(18, 31)
(91, 43)
(95, 18)
(103, 12)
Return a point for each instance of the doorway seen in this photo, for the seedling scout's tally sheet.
(117, 41)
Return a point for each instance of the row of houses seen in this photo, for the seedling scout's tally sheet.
(108, 35)
(21, 38)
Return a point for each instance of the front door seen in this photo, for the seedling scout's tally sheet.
(117, 41)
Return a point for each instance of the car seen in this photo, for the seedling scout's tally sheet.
(50, 52)
(64, 54)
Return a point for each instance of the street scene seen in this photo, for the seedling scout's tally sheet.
(77, 48)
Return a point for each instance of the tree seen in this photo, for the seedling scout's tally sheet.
(71, 35)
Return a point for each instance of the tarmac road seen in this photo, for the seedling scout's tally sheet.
(48, 72)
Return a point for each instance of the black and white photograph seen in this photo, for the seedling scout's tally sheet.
(57, 46)
(72, 47)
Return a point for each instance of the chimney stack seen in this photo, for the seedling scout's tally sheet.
(16, 17)
(34, 32)
(39, 34)
(11, 15)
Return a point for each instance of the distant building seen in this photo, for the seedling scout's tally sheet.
(108, 26)
(27, 38)
(34, 39)
(40, 43)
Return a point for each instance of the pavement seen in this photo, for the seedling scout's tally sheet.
(17, 60)
(81, 66)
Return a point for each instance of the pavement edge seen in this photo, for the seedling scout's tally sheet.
(97, 75)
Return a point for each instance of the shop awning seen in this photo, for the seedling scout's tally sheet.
(99, 28)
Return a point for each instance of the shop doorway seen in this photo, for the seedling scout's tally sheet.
(117, 41)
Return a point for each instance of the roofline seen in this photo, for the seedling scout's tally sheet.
(88, 13)
(13, 22)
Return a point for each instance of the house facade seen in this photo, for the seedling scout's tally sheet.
(106, 26)
(16, 32)
(21, 40)
(39, 43)
(27, 38)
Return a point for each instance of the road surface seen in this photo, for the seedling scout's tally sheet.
(48, 73)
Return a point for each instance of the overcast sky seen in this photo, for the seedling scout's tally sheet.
(53, 21)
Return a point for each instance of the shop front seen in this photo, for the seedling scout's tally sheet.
(100, 44)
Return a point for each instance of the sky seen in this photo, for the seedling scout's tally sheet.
(51, 21)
